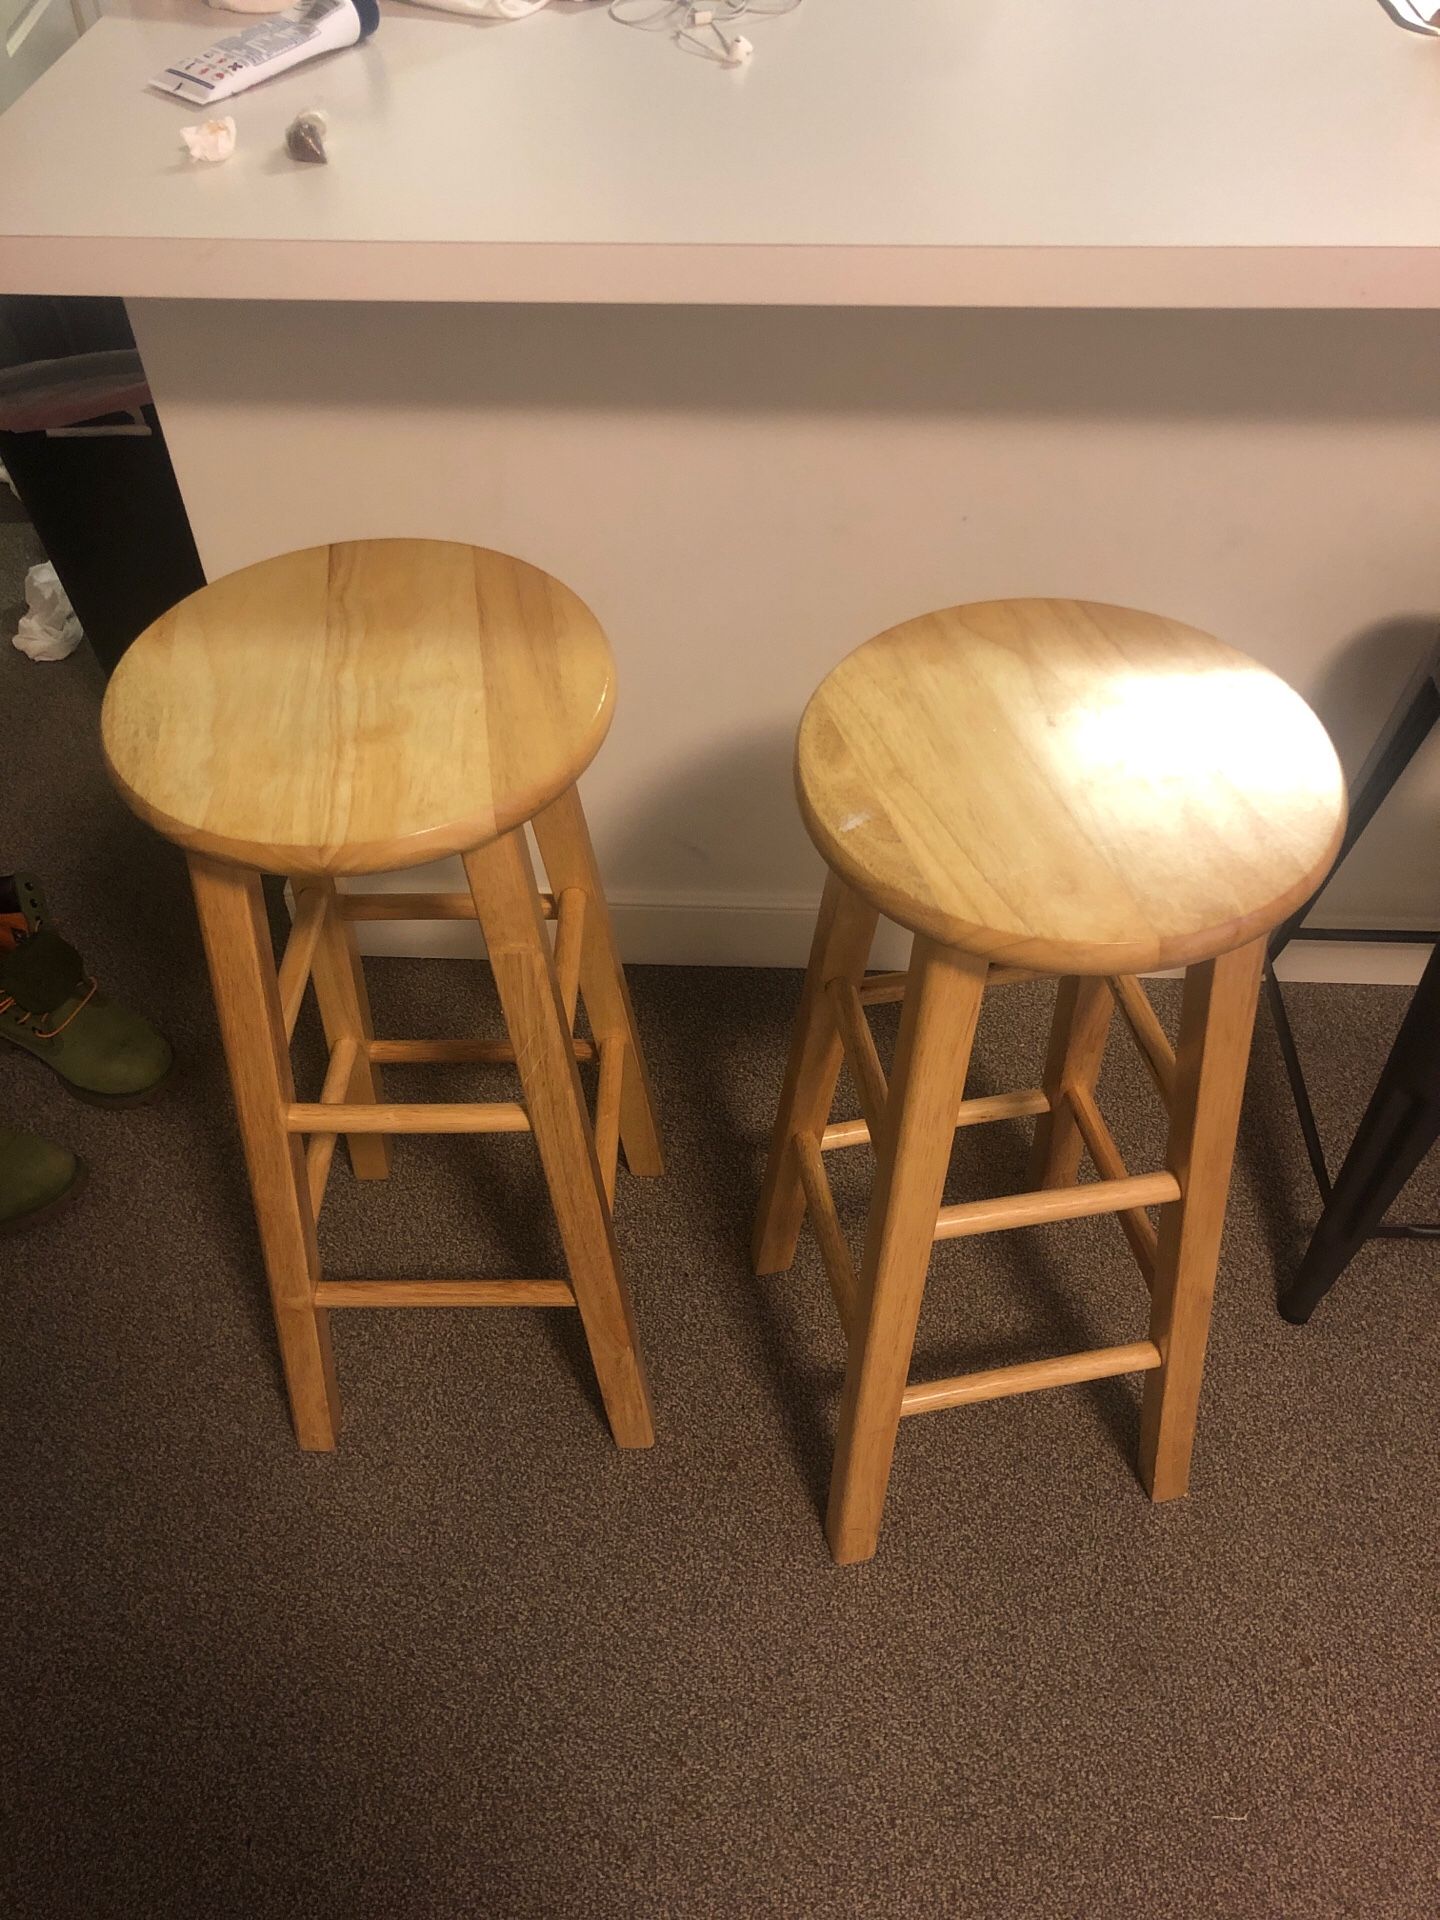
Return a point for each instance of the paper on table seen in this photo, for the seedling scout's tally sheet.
(211, 140)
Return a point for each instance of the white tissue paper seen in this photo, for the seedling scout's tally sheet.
(211, 140)
(49, 631)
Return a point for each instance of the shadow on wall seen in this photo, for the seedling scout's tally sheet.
(848, 361)
(686, 864)
(700, 869)
(1354, 697)
(680, 863)
(701, 866)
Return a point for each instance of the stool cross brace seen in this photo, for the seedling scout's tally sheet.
(290, 1143)
(910, 1120)
(334, 1113)
(1117, 1191)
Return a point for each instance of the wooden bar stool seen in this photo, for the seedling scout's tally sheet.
(1036, 787)
(349, 710)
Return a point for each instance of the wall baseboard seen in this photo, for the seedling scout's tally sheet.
(736, 932)
(668, 933)
(1367, 963)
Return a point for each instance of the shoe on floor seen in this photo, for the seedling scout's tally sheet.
(49, 1006)
(37, 1178)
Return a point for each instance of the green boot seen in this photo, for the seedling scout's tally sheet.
(103, 1052)
(37, 1178)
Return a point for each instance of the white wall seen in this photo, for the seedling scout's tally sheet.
(742, 496)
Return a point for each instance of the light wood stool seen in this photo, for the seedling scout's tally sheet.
(350, 710)
(1036, 787)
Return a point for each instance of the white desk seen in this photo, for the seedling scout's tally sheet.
(887, 152)
(745, 485)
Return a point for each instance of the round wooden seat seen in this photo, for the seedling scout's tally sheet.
(1070, 787)
(359, 707)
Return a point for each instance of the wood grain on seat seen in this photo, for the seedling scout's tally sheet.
(359, 707)
(1071, 787)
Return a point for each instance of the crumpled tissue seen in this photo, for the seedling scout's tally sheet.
(49, 631)
(211, 140)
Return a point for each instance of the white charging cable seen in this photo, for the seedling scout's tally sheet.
(698, 26)
(660, 16)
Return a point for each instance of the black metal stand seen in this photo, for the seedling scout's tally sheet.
(1403, 1118)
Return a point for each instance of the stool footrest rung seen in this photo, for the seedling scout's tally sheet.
(834, 1250)
(1056, 1203)
(443, 1293)
(321, 1150)
(1149, 1035)
(860, 1054)
(419, 906)
(878, 988)
(492, 1116)
(569, 946)
(607, 1112)
(980, 1112)
(318, 1156)
(312, 908)
(997, 1383)
(1013, 976)
(480, 1053)
(1100, 1145)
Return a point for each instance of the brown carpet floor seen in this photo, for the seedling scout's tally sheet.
(478, 1662)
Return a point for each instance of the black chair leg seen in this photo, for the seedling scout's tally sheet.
(1400, 1126)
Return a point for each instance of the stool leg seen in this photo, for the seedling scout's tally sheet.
(507, 905)
(1083, 1007)
(1217, 1017)
(564, 842)
(345, 1013)
(937, 1030)
(839, 950)
(247, 1005)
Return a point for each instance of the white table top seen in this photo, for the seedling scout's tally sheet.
(893, 152)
